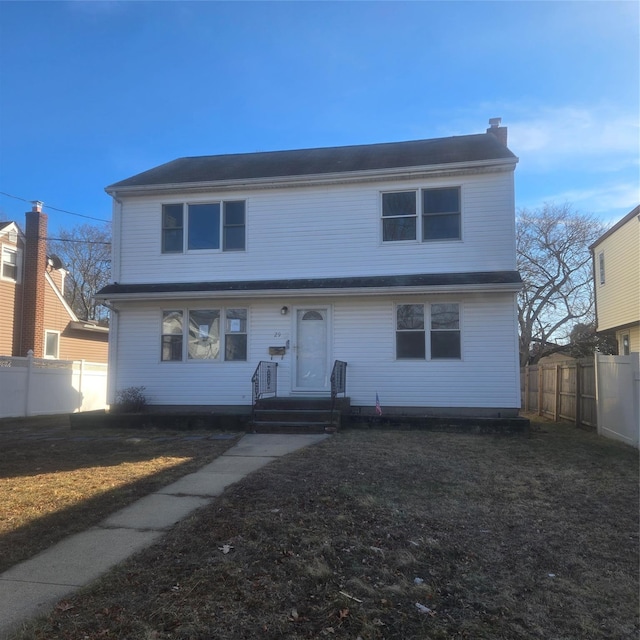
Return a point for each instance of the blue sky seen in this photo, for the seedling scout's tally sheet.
(94, 92)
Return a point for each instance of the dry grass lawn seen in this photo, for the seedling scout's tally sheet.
(392, 535)
(55, 482)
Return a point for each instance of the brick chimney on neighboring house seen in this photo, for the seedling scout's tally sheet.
(35, 264)
(499, 132)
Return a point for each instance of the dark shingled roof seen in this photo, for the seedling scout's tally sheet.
(305, 162)
(632, 214)
(360, 282)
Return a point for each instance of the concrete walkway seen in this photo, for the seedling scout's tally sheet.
(32, 587)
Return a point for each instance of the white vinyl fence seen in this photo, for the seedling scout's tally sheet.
(34, 386)
(618, 397)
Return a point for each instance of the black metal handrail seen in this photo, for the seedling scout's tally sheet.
(264, 380)
(338, 382)
(338, 378)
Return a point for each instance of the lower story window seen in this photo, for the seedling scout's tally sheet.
(445, 331)
(410, 331)
(235, 335)
(443, 320)
(626, 345)
(200, 331)
(172, 336)
(204, 334)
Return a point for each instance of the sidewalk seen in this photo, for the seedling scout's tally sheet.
(32, 587)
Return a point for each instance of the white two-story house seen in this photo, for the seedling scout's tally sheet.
(397, 258)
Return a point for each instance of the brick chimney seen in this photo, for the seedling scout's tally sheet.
(35, 264)
(499, 132)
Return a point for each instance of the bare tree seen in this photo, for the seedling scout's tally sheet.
(85, 252)
(555, 263)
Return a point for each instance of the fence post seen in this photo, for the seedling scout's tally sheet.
(540, 395)
(80, 381)
(556, 408)
(578, 398)
(526, 388)
(27, 393)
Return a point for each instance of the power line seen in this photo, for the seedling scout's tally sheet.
(74, 240)
(48, 206)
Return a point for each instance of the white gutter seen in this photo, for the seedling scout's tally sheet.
(112, 356)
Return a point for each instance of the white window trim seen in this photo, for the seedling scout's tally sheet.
(424, 330)
(185, 335)
(419, 215)
(18, 253)
(459, 329)
(56, 333)
(601, 267)
(427, 330)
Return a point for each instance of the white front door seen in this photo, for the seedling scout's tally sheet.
(312, 362)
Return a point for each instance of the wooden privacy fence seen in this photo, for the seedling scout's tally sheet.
(561, 391)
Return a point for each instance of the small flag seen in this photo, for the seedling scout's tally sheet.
(378, 407)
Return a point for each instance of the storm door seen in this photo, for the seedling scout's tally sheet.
(311, 362)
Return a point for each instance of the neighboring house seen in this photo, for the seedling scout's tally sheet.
(616, 272)
(33, 312)
(396, 258)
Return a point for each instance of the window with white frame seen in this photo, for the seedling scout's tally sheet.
(440, 217)
(195, 334)
(442, 320)
(601, 266)
(51, 344)
(445, 331)
(200, 226)
(10, 267)
(410, 339)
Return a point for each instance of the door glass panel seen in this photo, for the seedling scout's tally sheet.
(311, 359)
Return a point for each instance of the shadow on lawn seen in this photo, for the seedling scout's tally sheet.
(29, 460)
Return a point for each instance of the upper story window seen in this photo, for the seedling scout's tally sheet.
(440, 217)
(193, 227)
(601, 266)
(10, 264)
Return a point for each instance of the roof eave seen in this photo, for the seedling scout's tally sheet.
(88, 326)
(634, 213)
(504, 287)
(338, 177)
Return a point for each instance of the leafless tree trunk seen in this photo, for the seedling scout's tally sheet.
(85, 252)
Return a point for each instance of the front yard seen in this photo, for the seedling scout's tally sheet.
(378, 534)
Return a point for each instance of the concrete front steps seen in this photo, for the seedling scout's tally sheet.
(298, 415)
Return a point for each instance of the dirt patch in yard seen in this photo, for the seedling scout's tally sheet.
(403, 535)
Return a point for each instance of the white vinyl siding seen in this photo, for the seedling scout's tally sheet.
(324, 231)
(362, 334)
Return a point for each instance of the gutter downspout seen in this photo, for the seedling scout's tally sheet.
(112, 352)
